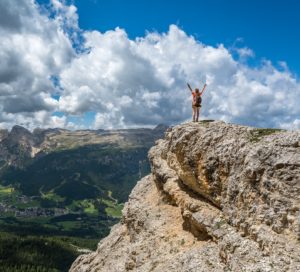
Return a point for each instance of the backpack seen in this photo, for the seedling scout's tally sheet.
(197, 99)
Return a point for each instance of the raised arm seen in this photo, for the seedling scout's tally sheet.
(203, 89)
(190, 87)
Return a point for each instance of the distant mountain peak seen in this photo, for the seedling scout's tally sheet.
(19, 130)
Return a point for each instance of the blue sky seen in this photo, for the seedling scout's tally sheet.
(125, 63)
(269, 27)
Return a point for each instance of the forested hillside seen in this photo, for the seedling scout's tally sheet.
(60, 191)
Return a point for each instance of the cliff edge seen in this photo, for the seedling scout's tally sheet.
(220, 197)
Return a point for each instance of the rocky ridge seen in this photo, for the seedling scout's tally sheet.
(221, 197)
(20, 145)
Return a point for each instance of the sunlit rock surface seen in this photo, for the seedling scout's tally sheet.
(221, 197)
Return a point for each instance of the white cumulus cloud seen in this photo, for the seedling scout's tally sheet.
(143, 82)
(33, 49)
(129, 82)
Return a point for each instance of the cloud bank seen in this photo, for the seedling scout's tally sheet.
(33, 49)
(52, 73)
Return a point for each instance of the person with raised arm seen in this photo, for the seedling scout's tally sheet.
(196, 102)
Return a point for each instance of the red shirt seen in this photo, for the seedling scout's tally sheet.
(194, 95)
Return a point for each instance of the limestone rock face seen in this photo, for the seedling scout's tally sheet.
(220, 197)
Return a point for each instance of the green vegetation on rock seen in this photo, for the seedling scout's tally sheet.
(257, 134)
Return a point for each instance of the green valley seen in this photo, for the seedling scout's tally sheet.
(63, 190)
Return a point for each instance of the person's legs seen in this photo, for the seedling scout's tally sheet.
(194, 113)
(197, 113)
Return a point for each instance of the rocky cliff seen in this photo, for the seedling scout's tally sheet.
(220, 197)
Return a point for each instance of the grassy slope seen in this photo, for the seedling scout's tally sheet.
(85, 172)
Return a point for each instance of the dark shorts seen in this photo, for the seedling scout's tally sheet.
(196, 107)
